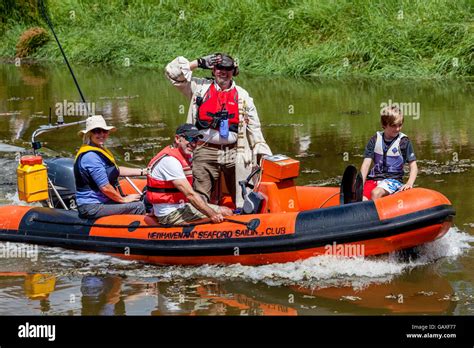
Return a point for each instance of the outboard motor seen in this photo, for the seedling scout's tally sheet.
(61, 174)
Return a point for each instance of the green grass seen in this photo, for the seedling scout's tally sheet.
(417, 39)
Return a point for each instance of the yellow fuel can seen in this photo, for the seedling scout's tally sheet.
(32, 179)
(39, 286)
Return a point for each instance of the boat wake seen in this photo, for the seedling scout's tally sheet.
(315, 272)
(8, 179)
(329, 271)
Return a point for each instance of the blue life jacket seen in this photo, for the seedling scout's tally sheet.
(388, 159)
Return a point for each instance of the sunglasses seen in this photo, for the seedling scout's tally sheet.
(226, 68)
(190, 139)
(99, 130)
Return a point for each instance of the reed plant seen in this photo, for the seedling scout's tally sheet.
(417, 39)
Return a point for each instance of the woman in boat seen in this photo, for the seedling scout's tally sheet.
(96, 173)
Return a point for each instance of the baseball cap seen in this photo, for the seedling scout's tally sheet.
(189, 130)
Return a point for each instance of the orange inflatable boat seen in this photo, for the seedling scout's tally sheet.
(283, 223)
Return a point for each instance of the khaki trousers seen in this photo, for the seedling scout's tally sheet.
(181, 216)
(208, 163)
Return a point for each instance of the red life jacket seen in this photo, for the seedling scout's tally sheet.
(162, 191)
(213, 102)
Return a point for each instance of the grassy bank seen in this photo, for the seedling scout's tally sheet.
(428, 39)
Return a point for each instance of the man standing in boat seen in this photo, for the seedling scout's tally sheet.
(170, 180)
(227, 119)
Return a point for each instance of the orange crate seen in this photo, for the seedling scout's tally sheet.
(279, 167)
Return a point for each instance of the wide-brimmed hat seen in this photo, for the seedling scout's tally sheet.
(96, 121)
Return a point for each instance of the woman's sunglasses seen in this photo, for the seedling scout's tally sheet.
(99, 130)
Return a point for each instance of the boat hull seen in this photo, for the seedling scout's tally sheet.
(393, 223)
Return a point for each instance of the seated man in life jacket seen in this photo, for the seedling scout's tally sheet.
(226, 116)
(170, 180)
(389, 150)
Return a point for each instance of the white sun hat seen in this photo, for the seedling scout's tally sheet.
(96, 121)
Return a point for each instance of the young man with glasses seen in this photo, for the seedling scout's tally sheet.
(170, 180)
(227, 119)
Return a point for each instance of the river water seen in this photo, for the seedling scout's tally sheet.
(323, 123)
